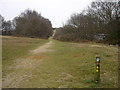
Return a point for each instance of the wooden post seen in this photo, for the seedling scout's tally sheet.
(97, 69)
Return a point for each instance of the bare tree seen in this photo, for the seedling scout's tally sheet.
(101, 18)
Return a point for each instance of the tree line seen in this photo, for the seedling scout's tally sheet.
(99, 22)
(29, 23)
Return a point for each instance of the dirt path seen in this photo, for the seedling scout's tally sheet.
(43, 48)
(22, 68)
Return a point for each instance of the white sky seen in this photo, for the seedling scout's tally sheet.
(57, 11)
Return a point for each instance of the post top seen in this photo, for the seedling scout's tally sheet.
(97, 56)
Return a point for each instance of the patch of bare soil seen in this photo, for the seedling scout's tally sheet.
(97, 46)
(23, 67)
(76, 55)
(37, 57)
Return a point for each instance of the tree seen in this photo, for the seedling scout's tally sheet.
(79, 27)
(108, 18)
(1, 21)
(105, 11)
(101, 18)
(31, 24)
(6, 27)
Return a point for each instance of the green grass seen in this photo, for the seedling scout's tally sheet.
(16, 47)
(69, 65)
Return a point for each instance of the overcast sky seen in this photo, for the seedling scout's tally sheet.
(57, 11)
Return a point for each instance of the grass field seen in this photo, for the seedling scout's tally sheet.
(16, 47)
(65, 65)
